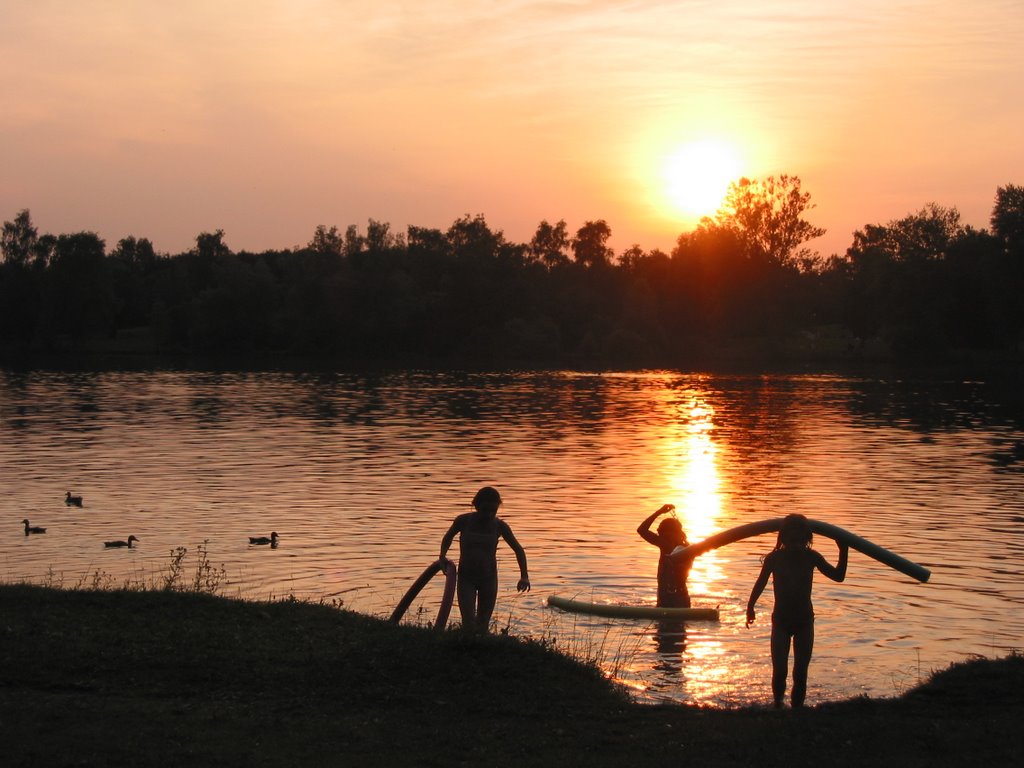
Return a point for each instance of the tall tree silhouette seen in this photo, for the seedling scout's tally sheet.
(590, 245)
(1008, 218)
(550, 243)
(767, 219)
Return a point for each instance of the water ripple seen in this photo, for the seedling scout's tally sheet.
(361, 474)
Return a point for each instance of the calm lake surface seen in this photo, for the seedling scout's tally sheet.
(361, 475)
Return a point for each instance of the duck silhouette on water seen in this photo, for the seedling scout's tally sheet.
(29, 529)
(72, 501)
(271, 540)
(117, 544)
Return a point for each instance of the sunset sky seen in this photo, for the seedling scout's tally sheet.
(266, 118)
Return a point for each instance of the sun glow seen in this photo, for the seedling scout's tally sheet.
(698, 175)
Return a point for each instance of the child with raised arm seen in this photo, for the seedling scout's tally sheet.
(479, 531)
(672, 571)
(791, 565)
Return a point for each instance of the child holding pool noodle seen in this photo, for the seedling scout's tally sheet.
(791, 565)
(479, 531)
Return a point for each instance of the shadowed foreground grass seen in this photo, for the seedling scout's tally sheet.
(161, 678)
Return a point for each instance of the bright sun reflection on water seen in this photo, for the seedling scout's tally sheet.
(692, 460)
(716, 674)
(696, 483)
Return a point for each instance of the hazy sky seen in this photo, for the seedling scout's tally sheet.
(265, 118)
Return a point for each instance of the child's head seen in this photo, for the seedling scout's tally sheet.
(487, 500)
(671, 529)
(795, 533)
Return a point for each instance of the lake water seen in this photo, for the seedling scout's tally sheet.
(361, 475)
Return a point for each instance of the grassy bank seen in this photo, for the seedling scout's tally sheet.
(161, 678)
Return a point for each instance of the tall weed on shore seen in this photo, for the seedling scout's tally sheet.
(205, 577)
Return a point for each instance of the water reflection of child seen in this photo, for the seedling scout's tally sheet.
(479, 531)
(791, 565)
(669, 644)
(672, 571)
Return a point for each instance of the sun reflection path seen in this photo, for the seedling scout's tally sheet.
(695, 481)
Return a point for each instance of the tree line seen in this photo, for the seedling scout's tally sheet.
(744, 281)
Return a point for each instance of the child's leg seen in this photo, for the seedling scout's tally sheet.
(487, 594)
(465, 590)
(803, 646)
(780, 662)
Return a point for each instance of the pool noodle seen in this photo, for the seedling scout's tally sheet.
(841, 535)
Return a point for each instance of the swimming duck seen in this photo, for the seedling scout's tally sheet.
(32, 528)
(272, 540)
(111, 544)
(73, 501)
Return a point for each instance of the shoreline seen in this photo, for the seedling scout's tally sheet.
(168, 677)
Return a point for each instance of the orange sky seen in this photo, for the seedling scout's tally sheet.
(265, 118)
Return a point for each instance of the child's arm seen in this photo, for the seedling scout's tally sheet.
(449, 537)
(759, 585)
(644, 529)
(838, 571)
(508, 536)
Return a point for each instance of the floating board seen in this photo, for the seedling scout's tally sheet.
(443, 565)
(632, 611)
(825, 529)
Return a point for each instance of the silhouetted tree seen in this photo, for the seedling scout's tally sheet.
(19, 282)
(471, 238)
(631, 257)
(327, 241)
(767, 219)
(137, 252)
(899, 278)
(1008, 228)
(590, 245)
(234, 313)
(714, 278)
(424, 241)
(354, 242)
(210, 246)
(758, 239)
(77, 298)
(550, 244)
(380, 238)
(1008, 218)
(130, 266)
(976, 301)
(19, 238)
(201, 260)
(923, 283)
(922, 236)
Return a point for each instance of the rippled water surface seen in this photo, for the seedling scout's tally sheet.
(361, 475)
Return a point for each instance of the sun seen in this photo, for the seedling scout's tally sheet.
(698, 174)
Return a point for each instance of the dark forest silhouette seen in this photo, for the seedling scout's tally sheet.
(744, 282)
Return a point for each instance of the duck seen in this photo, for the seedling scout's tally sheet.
(32, 528)
(271, 540)
(112, 544)
(73, 501)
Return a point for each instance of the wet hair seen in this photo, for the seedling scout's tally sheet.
(796, 529)
(487, 498)
(670, 526)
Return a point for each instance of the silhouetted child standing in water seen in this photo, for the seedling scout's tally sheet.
(672, 571)
(791, 565)
(479, 531)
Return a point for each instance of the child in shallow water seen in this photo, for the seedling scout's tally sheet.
(791, 565)
(479, 532)
(672, 571)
